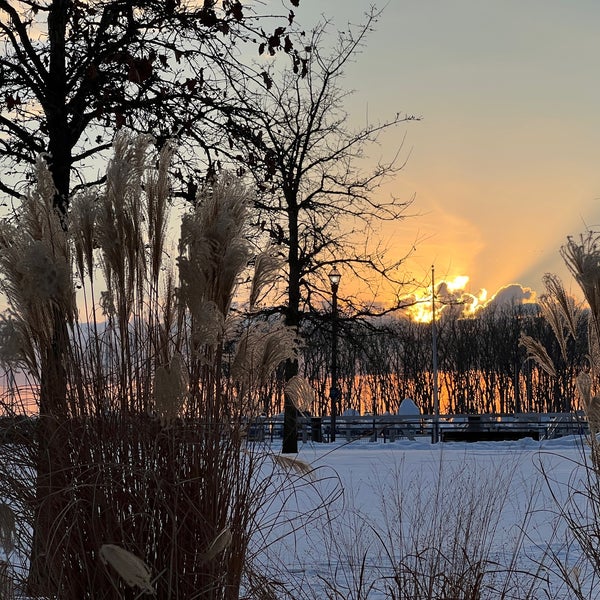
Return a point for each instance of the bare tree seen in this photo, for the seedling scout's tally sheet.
(318, 202)
(72, 72)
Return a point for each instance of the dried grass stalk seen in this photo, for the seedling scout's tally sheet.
(222, 541)
(538, 353)
(132, 570)
(301, 393)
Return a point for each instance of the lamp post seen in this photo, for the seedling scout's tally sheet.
(334, 392)
(435, 432)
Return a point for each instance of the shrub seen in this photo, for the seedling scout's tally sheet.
(139, 460)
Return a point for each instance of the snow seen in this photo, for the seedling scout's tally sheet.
(370, 506)
(409, 408)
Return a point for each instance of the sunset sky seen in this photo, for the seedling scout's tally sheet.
(505, 162)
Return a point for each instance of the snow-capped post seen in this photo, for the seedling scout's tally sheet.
(334, 392)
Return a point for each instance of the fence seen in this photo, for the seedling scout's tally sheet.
(492, 427)
(383, 427)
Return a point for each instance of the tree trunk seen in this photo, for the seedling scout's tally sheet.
(51, 464)
(290, 414)
(55, 106)
(52, 459)
(292, 319)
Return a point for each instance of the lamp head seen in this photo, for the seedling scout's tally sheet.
(334, 277)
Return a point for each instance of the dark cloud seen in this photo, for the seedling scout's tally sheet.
(512, 295)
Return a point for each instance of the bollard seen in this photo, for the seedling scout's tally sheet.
(316, 433)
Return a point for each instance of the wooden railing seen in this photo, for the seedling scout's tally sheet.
(451, 427)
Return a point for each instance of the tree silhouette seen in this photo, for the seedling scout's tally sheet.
(72, 72)
(316, 202)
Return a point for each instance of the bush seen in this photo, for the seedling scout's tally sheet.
(139, 460)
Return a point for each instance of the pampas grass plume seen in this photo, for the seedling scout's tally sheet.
(171, 384)
(567, 307)
(84, 208)
(132, 570)
(583, 260)
(591, 403)
(593, 414)
(213, 250)
(288, 463)
(222, 541)
(537, 352)
(209, 323)
(559, 311)
(584, 386)
(301, 393)
(261, 350)
(266, 269)
(43, 277)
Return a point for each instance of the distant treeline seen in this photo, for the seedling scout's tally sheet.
(482, 367)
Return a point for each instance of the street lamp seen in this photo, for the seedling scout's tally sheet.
(435, 431)
(334, 392)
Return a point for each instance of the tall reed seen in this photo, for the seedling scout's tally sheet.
(578, 502)
(150, 467)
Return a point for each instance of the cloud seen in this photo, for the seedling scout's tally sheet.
(459, 303)
(453, 301)
(511, 295)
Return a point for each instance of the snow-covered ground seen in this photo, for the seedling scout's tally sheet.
(374, 514)
(374, 520)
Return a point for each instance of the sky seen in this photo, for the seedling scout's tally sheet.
(503, 164)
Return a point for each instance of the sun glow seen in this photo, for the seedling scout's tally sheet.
(458, 283)
(450, 295)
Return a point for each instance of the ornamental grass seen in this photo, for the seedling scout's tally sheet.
(131, 473)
